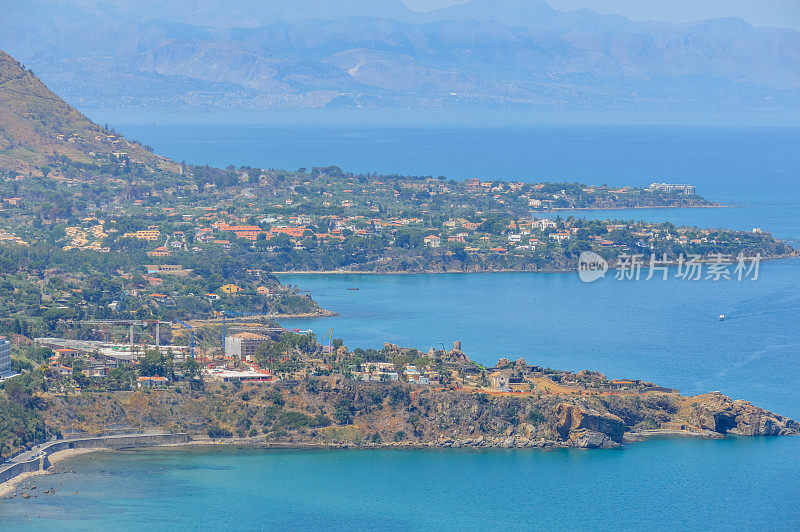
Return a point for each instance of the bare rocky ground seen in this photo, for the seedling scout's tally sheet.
(315, 413)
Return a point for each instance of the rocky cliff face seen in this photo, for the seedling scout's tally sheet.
(721, 414)
(375, 414)
(588, 428)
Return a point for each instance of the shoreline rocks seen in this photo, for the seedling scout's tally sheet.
(719, 413)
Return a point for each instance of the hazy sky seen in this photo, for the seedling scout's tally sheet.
(783, 13)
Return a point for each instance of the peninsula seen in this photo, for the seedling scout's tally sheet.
(82, 195)
(294, 392)
(94, 226)
(137, 296)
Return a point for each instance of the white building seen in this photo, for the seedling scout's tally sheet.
(240, 376)
(563, 235)
(432, 241)
(244, 345)
(379, 367)
(383, 376)
(543, 224)
(5, 356)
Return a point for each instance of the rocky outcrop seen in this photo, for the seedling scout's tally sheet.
(590, 439)
(587, 428)
(400, 415)
(719, 413)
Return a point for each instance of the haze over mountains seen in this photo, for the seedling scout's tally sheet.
(379, 53)
(37, 128)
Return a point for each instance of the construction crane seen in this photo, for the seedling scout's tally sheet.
(329, 334)
(227, 313)
(129, 323)
(191, 333)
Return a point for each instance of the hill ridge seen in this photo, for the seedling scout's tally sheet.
(37, 128)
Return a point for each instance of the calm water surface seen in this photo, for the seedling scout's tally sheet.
(742, 483)
(753, 168)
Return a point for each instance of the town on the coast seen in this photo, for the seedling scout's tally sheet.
(139, 302)
(271, 386)
(325, 219)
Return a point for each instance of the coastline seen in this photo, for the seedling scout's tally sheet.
(486, 271)
(484, 443)
(40, 462)
(410, 272)
(12, 487)
(322, 314)
(561, 209)
(8, 488)
(246, 319)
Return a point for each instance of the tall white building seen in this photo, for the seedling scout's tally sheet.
(244, 345)
(5, 356)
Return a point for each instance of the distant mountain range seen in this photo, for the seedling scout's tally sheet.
(379, 53)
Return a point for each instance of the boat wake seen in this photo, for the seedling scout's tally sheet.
(728, 317)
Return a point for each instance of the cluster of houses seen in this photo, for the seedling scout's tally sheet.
(11, 238)
(388, 372)
(218, 226)
(298, 228)
(92, 364)
(239, 364)
(527, 235)
(88, 238)
(96, 360)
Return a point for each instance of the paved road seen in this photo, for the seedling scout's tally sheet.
(28, 455)
(147, 439)
(34, 451)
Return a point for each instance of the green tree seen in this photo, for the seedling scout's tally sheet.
(154, 364)
(191, 368)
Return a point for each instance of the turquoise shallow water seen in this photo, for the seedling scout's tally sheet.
(743, 483)
(661, 331)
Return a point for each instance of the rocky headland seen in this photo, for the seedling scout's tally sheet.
(330, 411)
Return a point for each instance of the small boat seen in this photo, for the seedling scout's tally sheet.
(352, 288)
(722, 317)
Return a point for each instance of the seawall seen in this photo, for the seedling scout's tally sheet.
(41, 462)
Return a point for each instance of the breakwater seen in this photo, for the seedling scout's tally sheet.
(38, 457)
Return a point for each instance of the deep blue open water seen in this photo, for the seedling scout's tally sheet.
(666, 332)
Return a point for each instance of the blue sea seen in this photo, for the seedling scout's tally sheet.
(663, 331)
(733, 484)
